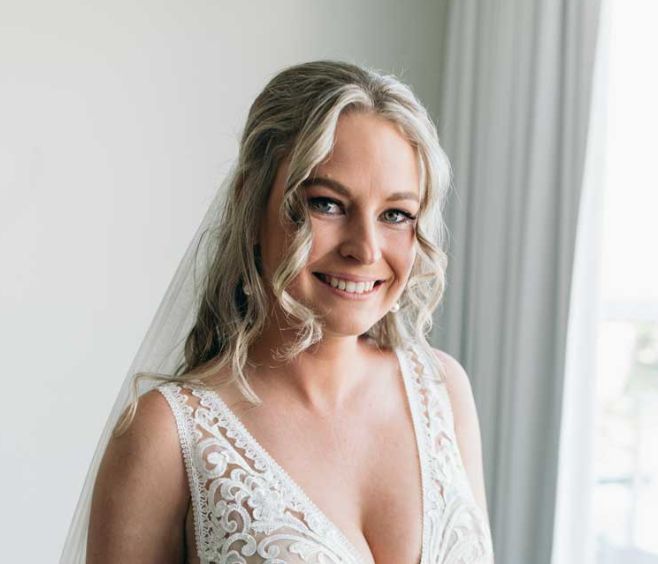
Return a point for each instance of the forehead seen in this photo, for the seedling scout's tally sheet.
(370, 152)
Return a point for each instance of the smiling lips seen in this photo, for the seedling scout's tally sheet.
(347, 285)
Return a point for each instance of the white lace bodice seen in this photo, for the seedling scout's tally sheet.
(247, 509)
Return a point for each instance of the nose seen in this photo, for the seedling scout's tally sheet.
(360, 240)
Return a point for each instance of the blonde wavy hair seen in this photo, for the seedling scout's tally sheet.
(295, 117)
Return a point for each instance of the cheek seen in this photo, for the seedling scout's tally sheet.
(402, 253)
(405, 258)
(325, 238)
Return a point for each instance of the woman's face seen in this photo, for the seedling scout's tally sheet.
(361, 200)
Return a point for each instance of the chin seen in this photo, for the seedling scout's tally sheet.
(346, 327)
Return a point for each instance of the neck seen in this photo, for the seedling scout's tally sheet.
(322, 378)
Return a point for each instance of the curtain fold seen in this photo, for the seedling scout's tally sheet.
(574, 534)
(514, 120)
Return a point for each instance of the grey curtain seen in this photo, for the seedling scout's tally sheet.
(514, 119)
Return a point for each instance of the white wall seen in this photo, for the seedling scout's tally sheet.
(117, 121)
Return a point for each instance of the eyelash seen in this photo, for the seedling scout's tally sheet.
(409, 218)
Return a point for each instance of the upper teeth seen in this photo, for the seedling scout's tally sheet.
(348, 286)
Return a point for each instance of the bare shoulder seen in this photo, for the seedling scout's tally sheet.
(467, 426)
(140, 496)
(458, 385)
(152, 437)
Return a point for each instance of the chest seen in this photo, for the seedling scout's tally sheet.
(359, 468)
(366, 483)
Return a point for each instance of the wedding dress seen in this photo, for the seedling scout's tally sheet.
(248, 510)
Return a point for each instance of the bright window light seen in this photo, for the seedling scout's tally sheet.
(626, 449)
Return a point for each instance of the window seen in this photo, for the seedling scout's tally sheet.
(625, 462)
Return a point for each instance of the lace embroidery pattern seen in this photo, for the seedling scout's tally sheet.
(248, 510)
(455, 530)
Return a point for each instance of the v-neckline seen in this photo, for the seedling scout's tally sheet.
(309, 506)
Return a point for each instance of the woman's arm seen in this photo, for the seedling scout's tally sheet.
(141, 496)
(467, 427)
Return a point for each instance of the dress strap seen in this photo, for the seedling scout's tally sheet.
(429, 376)
(457, 531)
(184, 414)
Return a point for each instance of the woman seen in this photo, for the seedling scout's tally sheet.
(310, 421)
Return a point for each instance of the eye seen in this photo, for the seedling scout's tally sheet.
(320, 203)
(406, 216)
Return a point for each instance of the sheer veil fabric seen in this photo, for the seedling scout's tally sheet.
(160, 352)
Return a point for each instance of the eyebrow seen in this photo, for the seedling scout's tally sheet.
(344, 191)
